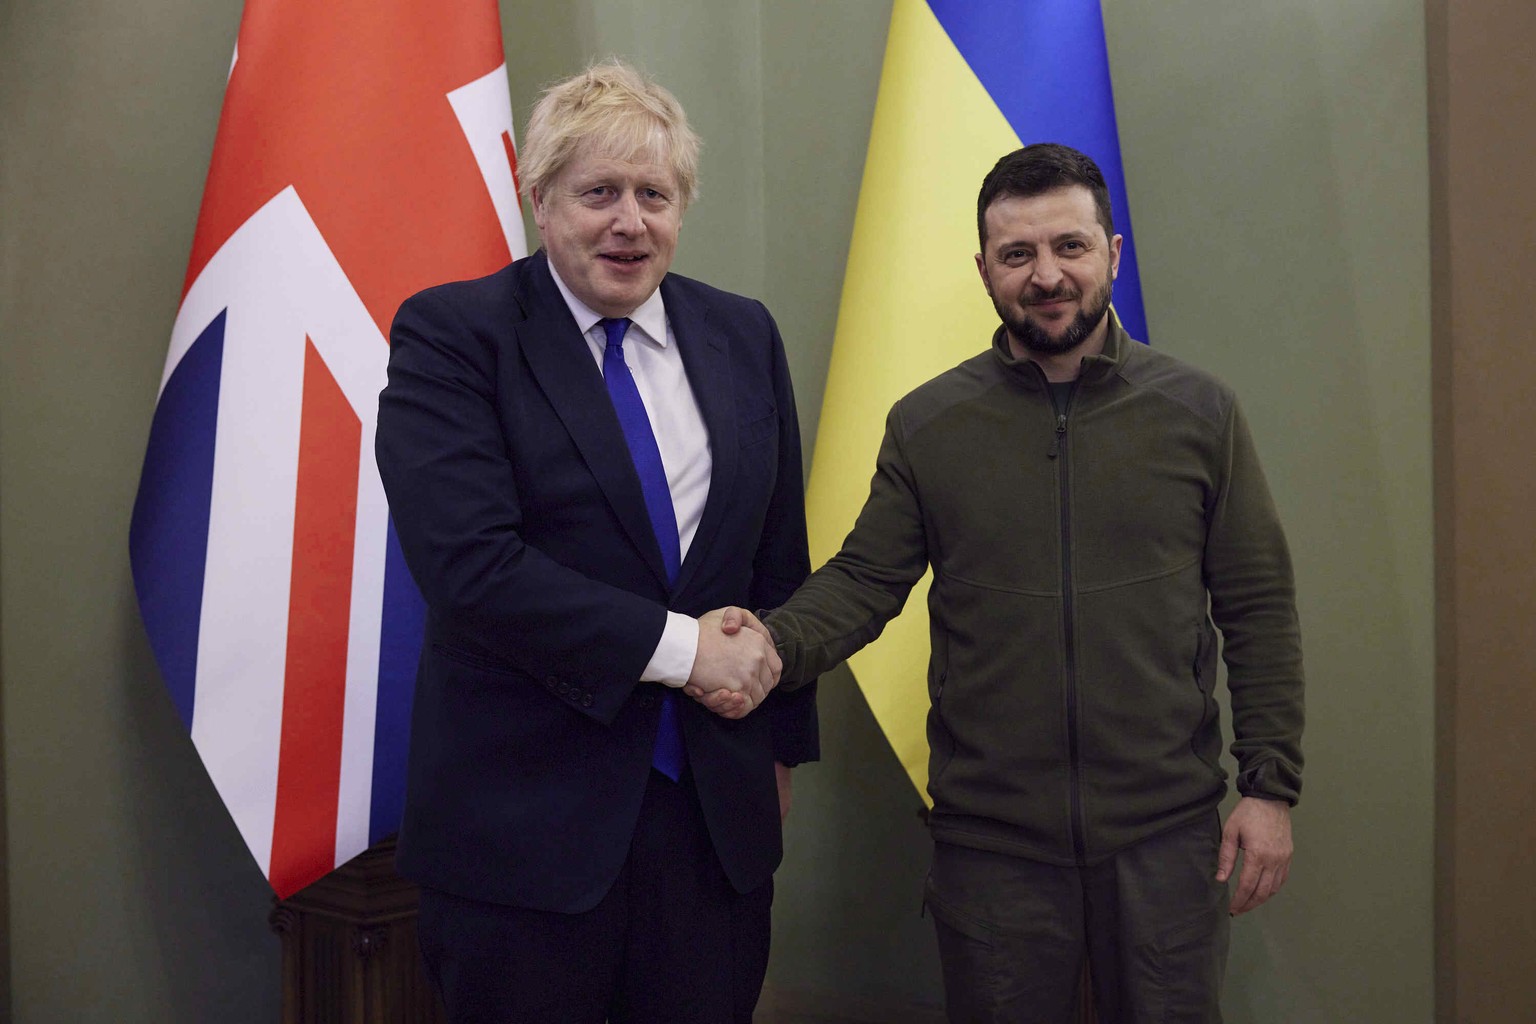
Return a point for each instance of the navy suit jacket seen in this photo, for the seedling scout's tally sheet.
(522, 520)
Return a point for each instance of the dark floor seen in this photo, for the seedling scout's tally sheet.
(794, 1017)
(780, 1007)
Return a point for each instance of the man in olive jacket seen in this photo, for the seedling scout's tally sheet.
(1092, 510)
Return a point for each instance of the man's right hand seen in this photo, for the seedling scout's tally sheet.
(733, 672)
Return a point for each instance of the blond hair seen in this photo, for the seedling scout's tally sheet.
(617, 112)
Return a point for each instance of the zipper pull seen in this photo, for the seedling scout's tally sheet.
(1061, 433)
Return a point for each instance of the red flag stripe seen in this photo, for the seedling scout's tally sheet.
(346, 102)
(314, 693)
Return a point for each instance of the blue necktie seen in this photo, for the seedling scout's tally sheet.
(668, 756)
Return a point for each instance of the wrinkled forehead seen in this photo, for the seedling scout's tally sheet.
(635, 140)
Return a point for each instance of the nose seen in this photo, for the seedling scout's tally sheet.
(1047, 273)
(626, 216)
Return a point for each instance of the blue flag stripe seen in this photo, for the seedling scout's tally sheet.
(1045, 64)
(400, 633)
(168, 537)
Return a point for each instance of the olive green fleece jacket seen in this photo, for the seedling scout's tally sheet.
(1078, 563)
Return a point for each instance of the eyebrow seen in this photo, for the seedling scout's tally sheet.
(582, 182)
(1064, 236)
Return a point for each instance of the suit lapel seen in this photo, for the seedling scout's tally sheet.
(707, 361)
(562, 364)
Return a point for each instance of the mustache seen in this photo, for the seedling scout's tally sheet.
(1061, 291)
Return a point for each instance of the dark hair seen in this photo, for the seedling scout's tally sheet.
(1042, 167)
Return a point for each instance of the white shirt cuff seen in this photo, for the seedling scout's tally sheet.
(672, 663)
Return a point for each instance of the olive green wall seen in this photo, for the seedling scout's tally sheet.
(131, 897)
(1278, 176)
(1277, 169)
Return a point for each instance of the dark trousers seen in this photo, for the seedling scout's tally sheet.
(671, 943)
(1151, 922)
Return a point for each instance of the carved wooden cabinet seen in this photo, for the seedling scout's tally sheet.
(349, 948)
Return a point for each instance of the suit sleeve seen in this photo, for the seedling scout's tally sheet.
(445, 464)
(783, 561)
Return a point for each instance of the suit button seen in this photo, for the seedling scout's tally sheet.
(586, 700)
(551, 681)
(562, 687)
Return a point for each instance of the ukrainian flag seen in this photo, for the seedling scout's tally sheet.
(964, 82)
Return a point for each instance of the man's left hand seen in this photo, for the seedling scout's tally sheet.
(1262, 830)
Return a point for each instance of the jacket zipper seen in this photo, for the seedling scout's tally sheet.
(1074, 758)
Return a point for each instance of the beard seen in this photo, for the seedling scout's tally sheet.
(1035, 338)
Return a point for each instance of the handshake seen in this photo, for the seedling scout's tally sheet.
(736, 666)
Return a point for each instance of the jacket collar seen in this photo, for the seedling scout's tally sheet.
(560, 361)
(707, 361)
(1095, 369)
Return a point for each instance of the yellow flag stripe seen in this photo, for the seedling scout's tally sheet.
(912, 307)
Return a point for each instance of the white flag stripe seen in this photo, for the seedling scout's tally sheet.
(484, 110)
(282, 285)
(243, 631)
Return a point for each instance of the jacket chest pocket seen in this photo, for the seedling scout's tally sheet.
(757, 430)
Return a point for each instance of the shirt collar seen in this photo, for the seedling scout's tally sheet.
(650, 316)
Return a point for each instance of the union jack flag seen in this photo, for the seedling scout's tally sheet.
(364, 152)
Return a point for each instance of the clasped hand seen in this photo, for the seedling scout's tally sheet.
(736, 666)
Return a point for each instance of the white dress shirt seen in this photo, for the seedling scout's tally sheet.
(651, 352)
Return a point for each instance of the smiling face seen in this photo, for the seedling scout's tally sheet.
(1049, 269)
(610, 228)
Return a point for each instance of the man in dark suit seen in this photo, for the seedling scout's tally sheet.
(583, 454)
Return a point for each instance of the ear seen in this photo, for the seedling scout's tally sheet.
(981, 268)
(1115, 245)
(537, 199)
